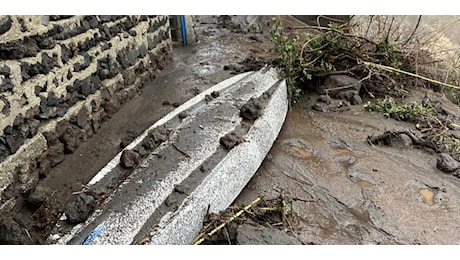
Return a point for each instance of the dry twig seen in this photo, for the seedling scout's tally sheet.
(215, 230)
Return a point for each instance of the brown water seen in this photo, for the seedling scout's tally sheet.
(428, 196)
(348, 192)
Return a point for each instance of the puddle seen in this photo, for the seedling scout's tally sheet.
(364, 180)
(344, 151)
(207, 69)
(299, 148)
(301, 152)
(428, 196)
(365, 184)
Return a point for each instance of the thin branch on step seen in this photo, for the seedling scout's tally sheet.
(178, 149)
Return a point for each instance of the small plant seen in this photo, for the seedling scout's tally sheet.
(454, 147)
(406, 112)
(454, 96)
(290, 60)
(254, 28)
(389, 49)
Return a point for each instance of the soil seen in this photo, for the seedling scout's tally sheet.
(220, 43)
(322, 180)
(346, 191)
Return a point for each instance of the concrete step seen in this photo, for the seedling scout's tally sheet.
(194, 171)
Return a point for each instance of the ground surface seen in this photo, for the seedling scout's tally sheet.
(345, 191)
(221, 51)
(342, 190)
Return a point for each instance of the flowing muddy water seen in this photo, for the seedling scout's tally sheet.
(345, 191)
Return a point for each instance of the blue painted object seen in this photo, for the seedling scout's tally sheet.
(184, 29)
(96, 232)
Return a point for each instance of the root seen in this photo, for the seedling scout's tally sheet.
(387, 136)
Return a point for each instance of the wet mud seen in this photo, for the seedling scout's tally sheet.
(345, 191)
(193, 69)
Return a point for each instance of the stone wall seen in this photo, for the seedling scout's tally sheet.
(60, 77)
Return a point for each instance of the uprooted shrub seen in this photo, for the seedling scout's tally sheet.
(384, 61)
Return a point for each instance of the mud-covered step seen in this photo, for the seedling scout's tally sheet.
(226, 179)
(190, 144)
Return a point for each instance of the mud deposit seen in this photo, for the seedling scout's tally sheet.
(345, 191)
(340, 189)
(222, 50)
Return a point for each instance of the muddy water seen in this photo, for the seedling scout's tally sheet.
(345, 191)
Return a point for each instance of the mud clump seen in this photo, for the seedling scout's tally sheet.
(253, 108)
(129, 159)
(208, 98)
(251, 63)
(155, 138)
(183, 114)
(231, 140)
(126, 140)
(13, 232)
(79, 207)
(225, 21)
(342, 106)
(38, 196)
(215, 94)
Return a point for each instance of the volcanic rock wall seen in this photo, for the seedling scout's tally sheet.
(60, 76)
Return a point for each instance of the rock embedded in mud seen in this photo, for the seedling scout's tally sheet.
(70, 139)
(129, 159)
(456, 173)
(55, 152)
(325, 99)
(334, 84)
(356, 100)
(320, 106)
(79, 207)
(351, 96)
(5, 24)
(155, 137)
(446, 163)
(347, 94)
